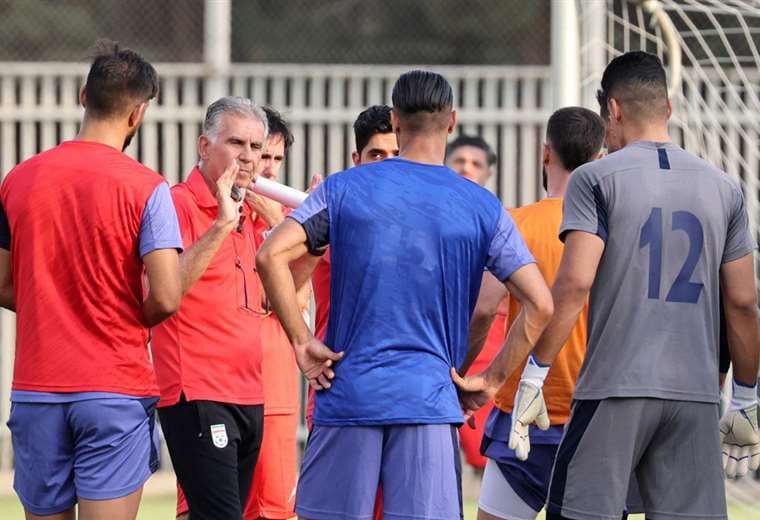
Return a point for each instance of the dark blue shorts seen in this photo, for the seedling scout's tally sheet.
(528, 478)
(418, 467)
(95, 449)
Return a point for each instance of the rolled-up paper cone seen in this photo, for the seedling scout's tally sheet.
(283, 194)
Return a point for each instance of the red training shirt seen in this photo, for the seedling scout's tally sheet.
(74, 214)
(210, 350)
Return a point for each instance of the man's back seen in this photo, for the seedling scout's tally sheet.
(669, 221)
(408, 245)
(74, 214)
(539, 224)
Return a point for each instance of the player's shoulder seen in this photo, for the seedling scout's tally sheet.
(541, 211)
(182, 195)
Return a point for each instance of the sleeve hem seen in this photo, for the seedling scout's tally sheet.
(505, 278)
(311, 250)
(736, 255)
(162, 245)
(567, 228)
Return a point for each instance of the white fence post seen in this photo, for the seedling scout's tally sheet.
(216, 47)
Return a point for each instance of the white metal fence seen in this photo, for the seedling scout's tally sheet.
(508, 106)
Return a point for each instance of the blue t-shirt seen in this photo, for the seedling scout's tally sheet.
(408, 245)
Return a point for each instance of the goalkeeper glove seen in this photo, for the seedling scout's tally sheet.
(739, 437)
(529, 407)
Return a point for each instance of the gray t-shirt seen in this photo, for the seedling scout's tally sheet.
(669, 220)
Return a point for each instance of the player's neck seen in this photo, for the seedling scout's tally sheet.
(423, 149)
(655, 134)
(556, 183)
(103, 132)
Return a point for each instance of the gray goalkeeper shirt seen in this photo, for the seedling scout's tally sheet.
(669, 220)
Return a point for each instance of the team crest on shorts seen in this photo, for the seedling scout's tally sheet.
(219, 435)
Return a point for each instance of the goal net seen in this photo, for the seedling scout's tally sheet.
(711, 49)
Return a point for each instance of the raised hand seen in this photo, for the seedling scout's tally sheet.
(266, 208)
(229, 208)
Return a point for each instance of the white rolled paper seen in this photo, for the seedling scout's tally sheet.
(283, 194)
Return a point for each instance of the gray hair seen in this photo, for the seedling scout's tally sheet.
(236, 105)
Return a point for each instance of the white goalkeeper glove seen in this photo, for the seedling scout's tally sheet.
(529, 407)
(739, 437)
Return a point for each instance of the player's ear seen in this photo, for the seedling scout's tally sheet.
(452, 121)
(356, 158)
(394, 121)
(83, 97)
(137, 114)
(547, 151)
(670, 107)
(203, 144)
(615, 109)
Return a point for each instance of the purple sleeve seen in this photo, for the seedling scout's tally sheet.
(159, 228)
(507, 252)
(315, 220)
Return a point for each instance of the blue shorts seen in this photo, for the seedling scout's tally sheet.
(418, 467)
(95, 449)
(529, 478)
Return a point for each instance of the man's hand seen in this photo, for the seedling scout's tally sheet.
(266, 208)
(316, 180)
(474, 392)
(529, 408)
(316, 361)
(229, 209)
(739, 437)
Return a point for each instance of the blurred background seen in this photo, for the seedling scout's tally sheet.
(511, 63)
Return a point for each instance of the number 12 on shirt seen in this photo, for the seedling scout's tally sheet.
(682, 290)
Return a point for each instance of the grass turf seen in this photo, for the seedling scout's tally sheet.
(162, 508)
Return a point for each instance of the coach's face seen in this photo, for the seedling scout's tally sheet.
(471, 163)
(239, 139)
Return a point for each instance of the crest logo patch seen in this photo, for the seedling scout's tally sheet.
(219, 435)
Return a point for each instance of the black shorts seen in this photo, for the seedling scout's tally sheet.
(213, 447)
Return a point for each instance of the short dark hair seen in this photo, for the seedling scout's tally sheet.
(420, 97)
(118, 79)
(373, 120)
(576, 134)
(278, 126)
(472, 140)
(636, 78)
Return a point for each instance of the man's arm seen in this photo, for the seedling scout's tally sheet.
(287, 243)
(164, 286)
(742, 329)
(528, 286)
(492, 292)
(196, 258)
(576, 274)
(7, 297)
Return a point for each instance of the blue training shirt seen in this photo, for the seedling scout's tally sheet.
(408, 245)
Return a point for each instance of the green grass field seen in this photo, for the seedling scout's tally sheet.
(162, 508)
